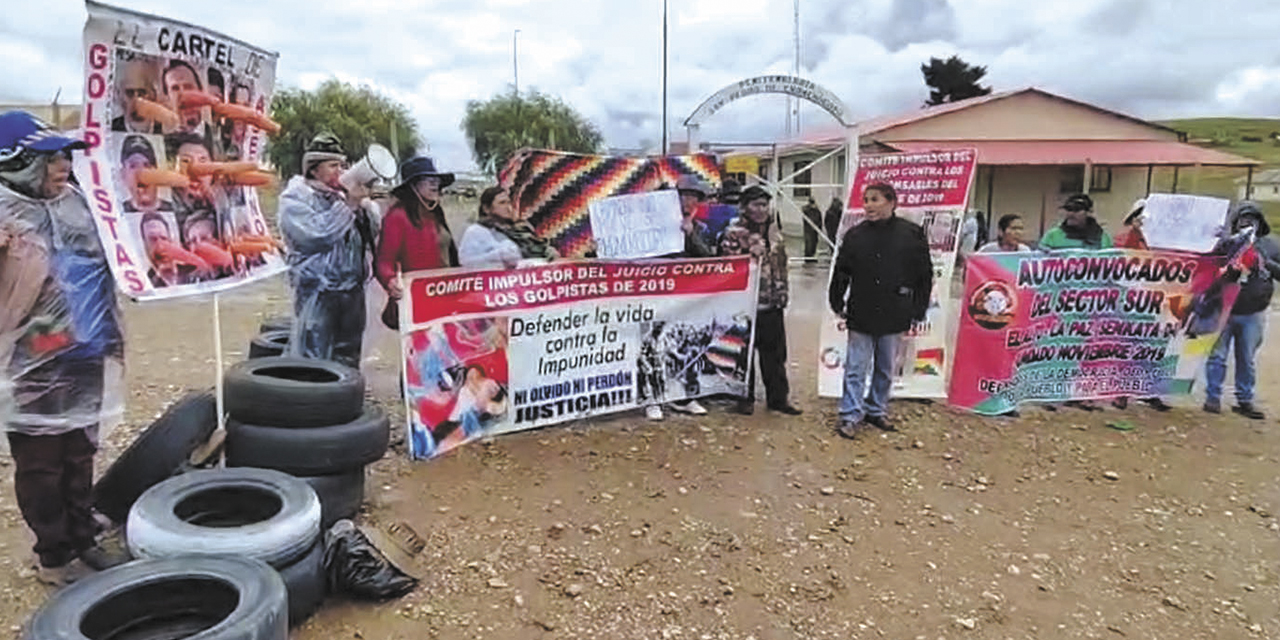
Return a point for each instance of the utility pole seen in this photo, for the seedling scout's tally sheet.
(515, 64)
(795, 37)
(664, 78)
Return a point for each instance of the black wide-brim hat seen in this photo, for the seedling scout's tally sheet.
(421, 167)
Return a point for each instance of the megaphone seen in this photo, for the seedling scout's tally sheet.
(378, 163)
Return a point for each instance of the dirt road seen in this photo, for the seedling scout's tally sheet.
(1051, 525)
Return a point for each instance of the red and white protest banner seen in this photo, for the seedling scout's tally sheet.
(933, 191)
(173, 115)
(494, 351)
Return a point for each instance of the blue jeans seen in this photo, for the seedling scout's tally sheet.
(862, 352)
(1245, 334)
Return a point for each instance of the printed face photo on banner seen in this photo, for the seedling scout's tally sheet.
(188, 232)
(456, 380)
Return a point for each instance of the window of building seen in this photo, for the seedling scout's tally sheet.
(1072, 179)
(804, 177)
(1101, 179)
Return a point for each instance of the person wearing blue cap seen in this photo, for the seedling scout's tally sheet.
(59, 326)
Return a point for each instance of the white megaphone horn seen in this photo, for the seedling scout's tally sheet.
(378, 163)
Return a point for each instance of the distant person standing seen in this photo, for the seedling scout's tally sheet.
(831, 219)
(1010, 238)
(1079, 229)
(755, 233)
(881, 284)
(1132, 237)
(812, 227)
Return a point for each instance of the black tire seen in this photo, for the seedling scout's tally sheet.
(213, 598)
(309, 452)
(158, 452)
(255, 513)
(277, 323)
(293, 392)
(268, 343)
(340, 495)
(304, 581)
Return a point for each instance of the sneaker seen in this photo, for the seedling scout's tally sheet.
(880, 422)
(653, 412)
(1249, 411)
(1120, 403)
(785, 408)
(1157, 404)
(63, 575)
(745, 407)
(691, 407)
(1212, 406)
(849, 429)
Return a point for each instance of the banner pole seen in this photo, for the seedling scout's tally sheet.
(217, 358)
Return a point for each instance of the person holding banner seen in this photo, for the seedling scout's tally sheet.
(1258, 267)
(499, 238)
(1079, 229)
(1010, 238)
(881, 284)
(754, 233)
(59, 329)
(329, 240)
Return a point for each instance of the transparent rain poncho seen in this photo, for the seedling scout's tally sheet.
(61, 344)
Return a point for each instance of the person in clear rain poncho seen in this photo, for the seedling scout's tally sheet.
(61, 345)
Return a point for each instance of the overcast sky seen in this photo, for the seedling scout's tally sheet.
(1150, 58)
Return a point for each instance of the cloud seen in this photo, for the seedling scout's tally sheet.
(1151, 59)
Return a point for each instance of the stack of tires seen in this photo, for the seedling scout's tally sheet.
(306, 418)
(273, 337)
(256, 514)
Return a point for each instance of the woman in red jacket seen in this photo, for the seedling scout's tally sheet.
(415, 235)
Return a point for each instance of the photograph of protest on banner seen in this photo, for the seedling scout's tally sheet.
(692, 357)
(456, 381)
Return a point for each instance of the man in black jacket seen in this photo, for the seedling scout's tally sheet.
(885, 268)
(1247, 323)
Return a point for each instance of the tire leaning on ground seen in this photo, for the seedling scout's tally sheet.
(304, 580)
(290, 392)
(309, 452)
(268, 343)
(156, 454)
(276, 323)
(340, 495)
(254, 513)
(218, 598)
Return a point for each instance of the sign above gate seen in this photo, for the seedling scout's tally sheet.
(790, 85)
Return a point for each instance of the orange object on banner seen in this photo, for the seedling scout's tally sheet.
(158, 112)
(170, 251)
(196, 170)
(163, 178)
(189, 99)
(214, 255)
(252, 245)
(247, 114)
(251, 178)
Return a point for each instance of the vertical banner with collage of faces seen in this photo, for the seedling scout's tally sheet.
(933, 191)
(174, 117)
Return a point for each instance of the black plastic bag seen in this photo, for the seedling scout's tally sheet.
(354, 567)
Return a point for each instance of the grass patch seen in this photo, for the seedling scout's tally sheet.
(1229, 136)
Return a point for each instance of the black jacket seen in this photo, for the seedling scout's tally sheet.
(1257, 285)
(885, 268)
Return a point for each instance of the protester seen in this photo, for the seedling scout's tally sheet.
(885, 269)
(499, 238)
(968, 242)
(415, 235)
(1246, 326)
(329, 238)
(59, 325)
(1131, 237)
(812, 227)
(1010, 238)
(754, 233)
(831, 219)
(1079, 229)
(693, 195)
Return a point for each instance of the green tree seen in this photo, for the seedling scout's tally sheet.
(359, 116)
(507, 122)
(952, 80)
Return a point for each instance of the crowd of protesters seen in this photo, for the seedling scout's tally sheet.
(338, 242)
